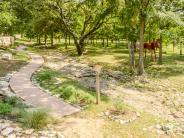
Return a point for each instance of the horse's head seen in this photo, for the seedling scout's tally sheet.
(157, 43)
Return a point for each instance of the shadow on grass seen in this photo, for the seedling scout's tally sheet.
(173, 65)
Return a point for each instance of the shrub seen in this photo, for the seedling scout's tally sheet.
(5, 108)
(119, 106)
(15, 102)
(35, 119)
(73, 95)
(17, 112)
(12, 100)
(46, 75)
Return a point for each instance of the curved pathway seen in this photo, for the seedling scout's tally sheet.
(21, 84)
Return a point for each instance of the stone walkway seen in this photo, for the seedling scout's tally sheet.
(21, 84)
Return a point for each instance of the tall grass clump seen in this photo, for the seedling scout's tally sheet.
(35, 119)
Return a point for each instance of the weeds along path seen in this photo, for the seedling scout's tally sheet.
(21, 84)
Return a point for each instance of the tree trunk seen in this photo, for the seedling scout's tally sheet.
(103, 42)
(45, 40)
(131, 55)
(79, 46)
(181, 47)
(38, 39)
(160, 50)
(59, 39)
(69, 40)
(52, 39)
(174, 44)
(107, 42)
(66, 46)
(141, 49)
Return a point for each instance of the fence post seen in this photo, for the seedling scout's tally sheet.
(98, 70)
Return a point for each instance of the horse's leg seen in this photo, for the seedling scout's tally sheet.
(152, 55)
(145, 53)
(155, 54)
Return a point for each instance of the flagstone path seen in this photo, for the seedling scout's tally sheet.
(21, 84)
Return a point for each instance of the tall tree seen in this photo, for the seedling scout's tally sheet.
(81, 18)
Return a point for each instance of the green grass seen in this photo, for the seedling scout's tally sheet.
(68, 89)
(5, 108)
(13, 109)
(35, 119)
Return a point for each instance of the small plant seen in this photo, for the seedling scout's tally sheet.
(15, 102)
(35, 119)
(118, 106)
(12, 100)
(5, 108)
(73, 95)
(17, 112)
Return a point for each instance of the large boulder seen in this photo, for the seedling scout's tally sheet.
(7, 56)
(86, 75)
(21, 48)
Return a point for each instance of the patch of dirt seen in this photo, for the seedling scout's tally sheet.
(151, 103)
(82, 128)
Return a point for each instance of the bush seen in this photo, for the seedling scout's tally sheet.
(71, 94)
(46, 75)
(119, 106)
(35, 119)
(17, 112)
(5, 108)
(15, 102)
(12, 100)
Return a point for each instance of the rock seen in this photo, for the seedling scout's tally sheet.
(29, 131)
(17, 129)
(138, 114)
(3, 126)
(19, 134)
(12, 136)
(167, 127)
(59, 135)
(43, 133)
(169, 132)
(107, 113)
(178, 115)
(160, 132)
(7, 131)
(158, 126)
(7, 56)
(4, 84)
(21, 48)
(122, 122)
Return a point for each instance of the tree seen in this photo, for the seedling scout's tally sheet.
(7, 18)
(81, 18)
